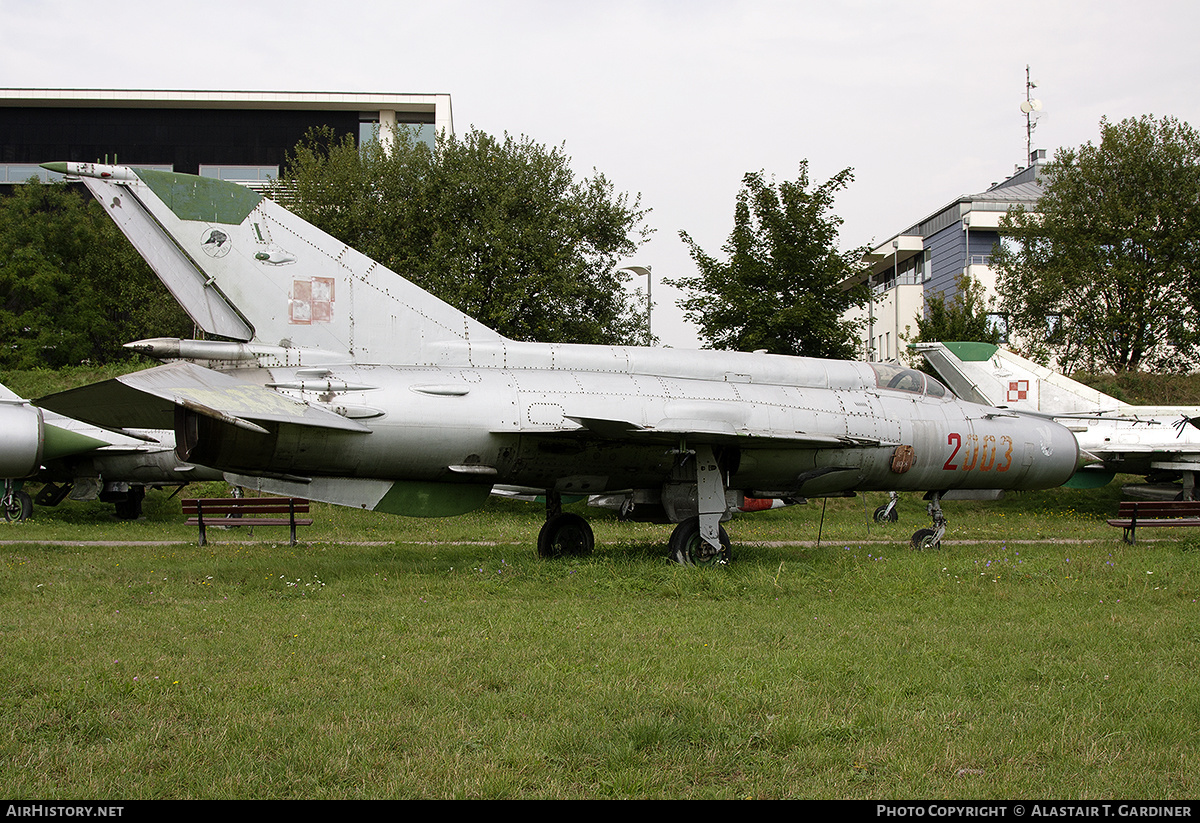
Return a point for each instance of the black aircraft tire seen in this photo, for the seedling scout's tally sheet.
(565, 535)
(131, 507)
(20, 508)
(687, 546)
(922, 539)
(882, 515)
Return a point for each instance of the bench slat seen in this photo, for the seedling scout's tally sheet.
(1154, 509)
(252, 504)
(252, 521)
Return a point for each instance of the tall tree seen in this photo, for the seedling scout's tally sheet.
(499, 228)
(780, 287)
(72, 288)
(1109, 261)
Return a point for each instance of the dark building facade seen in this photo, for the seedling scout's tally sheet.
(242, 136)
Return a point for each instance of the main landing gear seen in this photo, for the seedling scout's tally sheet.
(688, 548)
(700, 540)
(923, 539)
(694, 498)
(563, 534)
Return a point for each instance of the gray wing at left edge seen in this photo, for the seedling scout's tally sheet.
(147, 400)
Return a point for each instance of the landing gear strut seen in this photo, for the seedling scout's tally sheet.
(923, 539)
(701, 540)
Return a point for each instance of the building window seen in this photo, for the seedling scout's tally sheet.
(998, 322)
(241, 174)
(368, 132)
(21, 172)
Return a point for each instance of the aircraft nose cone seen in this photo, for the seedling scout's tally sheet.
(1064, 456)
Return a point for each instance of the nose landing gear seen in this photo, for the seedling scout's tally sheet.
(16, 503)
(887, 512)
(924, 539)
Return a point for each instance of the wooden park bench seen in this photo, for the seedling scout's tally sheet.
(221, 511)
(1132, 514)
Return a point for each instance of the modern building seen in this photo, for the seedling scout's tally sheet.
(931, 257)
(234, 135)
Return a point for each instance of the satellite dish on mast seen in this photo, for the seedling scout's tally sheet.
(1030, 106)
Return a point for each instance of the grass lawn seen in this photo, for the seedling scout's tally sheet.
(1034, 656)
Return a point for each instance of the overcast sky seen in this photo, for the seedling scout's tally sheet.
(675, 100)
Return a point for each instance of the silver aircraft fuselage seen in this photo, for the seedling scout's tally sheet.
(797, 426)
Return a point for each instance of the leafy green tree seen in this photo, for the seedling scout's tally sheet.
(962, 317)
(1105, 272)
(72, 288)
(781, 286)
(501, 229)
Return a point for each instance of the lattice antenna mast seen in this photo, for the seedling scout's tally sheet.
(1029, 107)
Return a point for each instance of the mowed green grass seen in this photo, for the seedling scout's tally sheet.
(1034, 656)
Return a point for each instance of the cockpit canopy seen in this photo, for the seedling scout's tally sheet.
(898, 378)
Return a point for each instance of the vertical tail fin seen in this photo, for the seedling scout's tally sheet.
(988, 374)
(245, 268)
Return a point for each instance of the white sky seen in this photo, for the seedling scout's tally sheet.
(675, 100)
